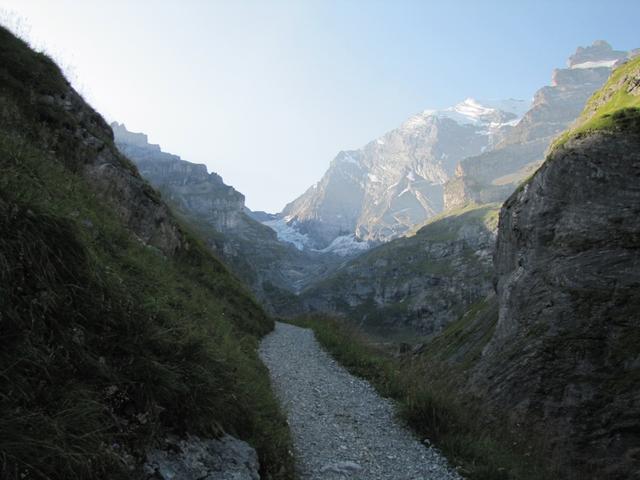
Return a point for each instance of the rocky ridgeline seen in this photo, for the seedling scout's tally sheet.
(476, 151)
(383, 289)
(493, 175)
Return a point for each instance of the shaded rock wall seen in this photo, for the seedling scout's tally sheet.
(565, 356)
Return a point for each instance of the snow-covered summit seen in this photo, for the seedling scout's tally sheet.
(472, 111)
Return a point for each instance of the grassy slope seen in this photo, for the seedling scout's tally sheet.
(610, 108)
(106, 344)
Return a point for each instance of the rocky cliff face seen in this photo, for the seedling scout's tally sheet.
(418, 283)
(395, 182)
(492, 176)
(185, 183)
(252, 250)
(565, 355)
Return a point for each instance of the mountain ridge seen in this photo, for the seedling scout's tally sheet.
(380, 191)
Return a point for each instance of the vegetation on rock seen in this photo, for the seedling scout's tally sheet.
(616, 106)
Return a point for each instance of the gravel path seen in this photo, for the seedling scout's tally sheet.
(341, 427)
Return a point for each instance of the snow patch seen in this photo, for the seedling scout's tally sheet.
(471, 108)
(288, 233)
(373, 178)
(411, 177)
(595, 64)
(346, 245)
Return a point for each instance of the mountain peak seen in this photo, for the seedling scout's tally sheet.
(476, 111)
(598, 54)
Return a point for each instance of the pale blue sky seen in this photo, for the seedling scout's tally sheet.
(267, 92)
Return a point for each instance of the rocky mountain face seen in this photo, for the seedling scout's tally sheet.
(217, 211)
(568, 282)
(395, 182)
(416, 284)
(493, 175)
(559, 351)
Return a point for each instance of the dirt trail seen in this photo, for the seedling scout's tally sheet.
(341, 427)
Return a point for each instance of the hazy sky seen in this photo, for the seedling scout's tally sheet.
(267, 92)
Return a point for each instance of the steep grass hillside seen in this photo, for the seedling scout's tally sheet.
(616, 106)
(117, 326)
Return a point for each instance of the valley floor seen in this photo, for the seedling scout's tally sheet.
(341, 427)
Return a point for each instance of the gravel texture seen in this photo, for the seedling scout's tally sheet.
(341, 427)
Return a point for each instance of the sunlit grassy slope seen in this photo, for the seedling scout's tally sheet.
(612, 107)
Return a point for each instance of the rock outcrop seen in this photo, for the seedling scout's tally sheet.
(493, 175)
(564, 360)
(193, 458)
(89, 151)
